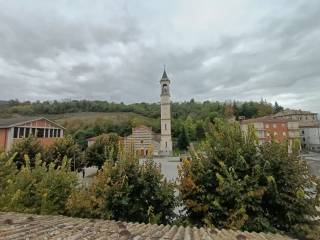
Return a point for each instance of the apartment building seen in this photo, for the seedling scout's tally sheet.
(309, 126)
(268, 128)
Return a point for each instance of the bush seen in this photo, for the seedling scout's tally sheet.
(232, 182)
(39, 190)
(105, 147)
(65, 147)
(7, 170)
(29, 146)
(126, 191)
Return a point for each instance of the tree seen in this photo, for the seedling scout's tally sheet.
(126, 191)
(29, 146)
(232, 182)
(105, 147)
(7, 170)
(41, 189)
(65, 147)
(277, 108)
(200, 132)
(183, 139)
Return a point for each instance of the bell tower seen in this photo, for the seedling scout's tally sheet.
(165, 103)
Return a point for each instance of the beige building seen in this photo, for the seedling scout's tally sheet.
(165, 103)
(143, 141)
(309, 126)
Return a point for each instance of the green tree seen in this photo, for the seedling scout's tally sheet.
(126, 191)
(105, 147)
(232, 182)
(7, 170)
(183, 140)
(41, 189)
(200, 131)
(29, 146)
(65, 147)
(277, 108)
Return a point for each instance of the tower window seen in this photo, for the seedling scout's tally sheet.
(166, 144)
(165, 126)
(165, 89)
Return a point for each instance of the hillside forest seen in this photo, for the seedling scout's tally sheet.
(84, 119)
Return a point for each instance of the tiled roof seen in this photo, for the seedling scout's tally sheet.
(27, 226)
(5, 122)
(266, 119)
(293, 112)
(10, 122)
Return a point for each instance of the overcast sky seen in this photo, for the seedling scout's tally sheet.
(115, 50)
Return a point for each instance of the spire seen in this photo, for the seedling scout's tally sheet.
(164, 75)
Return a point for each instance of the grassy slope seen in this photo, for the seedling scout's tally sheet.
(76, 121)
(91, 117)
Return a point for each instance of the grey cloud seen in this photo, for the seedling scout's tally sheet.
(106, 53)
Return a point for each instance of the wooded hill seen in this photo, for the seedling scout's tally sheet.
(84, 118)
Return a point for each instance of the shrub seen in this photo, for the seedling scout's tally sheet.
(105, 147)
(7, 170)
(126, 191)
(232, 182)
(65, 147)
(29, 146)
(40, 190)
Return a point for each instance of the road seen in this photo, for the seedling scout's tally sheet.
(169, 166)
(313, 160)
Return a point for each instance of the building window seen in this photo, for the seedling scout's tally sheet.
(46, 133)
(58, 133)
(21, 132)
(274, 125)
(33, 131)
(40, 132)
(165, 126)
(284, 134)
(166, 144)
(15, 132)
(51, 133)
(304, 139)
(27, 132)
(141, 141)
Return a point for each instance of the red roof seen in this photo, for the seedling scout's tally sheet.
(266, 120)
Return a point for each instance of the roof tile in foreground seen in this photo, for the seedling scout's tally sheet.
(28, 226)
